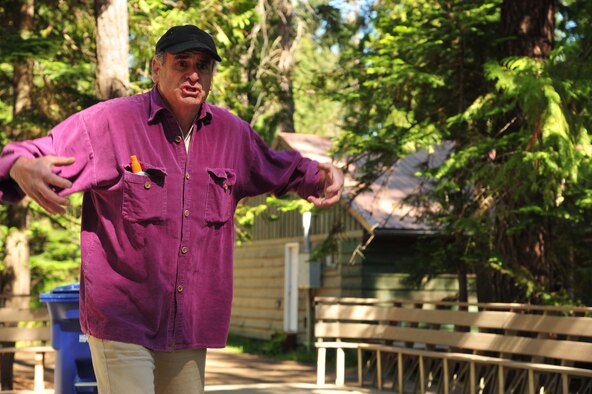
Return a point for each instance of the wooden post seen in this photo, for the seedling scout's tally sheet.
(472, 377)
(400, 371)
(530, 381)
(500, 379)
(379, 369)
(340, 373)
(446, 378)
(422, 375)
(39, 379)
(360, 375)
(321, 358)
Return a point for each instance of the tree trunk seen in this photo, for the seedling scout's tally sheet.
(23, 70)
(529, 25)
(16, 276)
(463, 285)
(15, 279)
(286, 66)
(112, 48)
(23, 86)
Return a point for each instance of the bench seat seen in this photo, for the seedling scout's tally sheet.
(478, 347)
(30, 329)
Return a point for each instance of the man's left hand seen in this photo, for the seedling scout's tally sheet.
(332, 180)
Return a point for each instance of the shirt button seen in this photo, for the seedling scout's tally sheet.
(147, 185)
(180, 288)
(186, 212)
(184, 249)
(187, 175)
(178, 139)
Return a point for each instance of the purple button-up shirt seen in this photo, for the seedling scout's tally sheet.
(157, 249)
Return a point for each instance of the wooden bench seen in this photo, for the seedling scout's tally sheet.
(30, 329)
(448, 347)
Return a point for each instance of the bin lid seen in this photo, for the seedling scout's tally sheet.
(66, 293)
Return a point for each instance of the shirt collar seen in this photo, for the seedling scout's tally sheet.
(157, 105)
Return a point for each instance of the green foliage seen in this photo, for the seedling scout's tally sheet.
(244, 219)
(55, 248)
(289, 203)
(62, 47)
(399, 75)
(228, 21)
(516, 186)
(316, 112)
(273, 348)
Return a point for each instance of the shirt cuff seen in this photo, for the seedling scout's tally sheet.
(311, 186)
(10, 192)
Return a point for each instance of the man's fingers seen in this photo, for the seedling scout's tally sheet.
(333, 188)
(315, 201)
(58, 181)
(60, 161)
(333, 180)
(54, 206)
(36, 178)
(325, 166)
(47, 197)
(53, 179)
(330, 201)
(323, 202)
(333, 184)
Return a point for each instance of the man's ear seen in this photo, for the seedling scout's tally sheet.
(155, 69)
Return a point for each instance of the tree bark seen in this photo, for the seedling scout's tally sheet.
(112, 48)
(463, 285)
(16, 276)
(529, 25)
(15, 279)
(23, 70)
(286, 66)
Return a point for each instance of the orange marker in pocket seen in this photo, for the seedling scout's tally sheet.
(136, 166)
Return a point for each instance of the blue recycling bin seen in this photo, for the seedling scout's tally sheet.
(73, 365)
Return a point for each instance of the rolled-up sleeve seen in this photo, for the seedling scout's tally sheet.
(278, 172)
(68, 139)
(10, 192)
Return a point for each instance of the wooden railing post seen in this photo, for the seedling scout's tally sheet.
(340, 371)
(321, 360)
(39, 378)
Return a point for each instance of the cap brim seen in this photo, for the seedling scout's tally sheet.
(186, 46)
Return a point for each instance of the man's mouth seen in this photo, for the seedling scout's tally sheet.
(190, 90)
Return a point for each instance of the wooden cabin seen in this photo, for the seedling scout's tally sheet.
(372, 239)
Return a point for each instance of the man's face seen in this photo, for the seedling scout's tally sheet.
(184, 79)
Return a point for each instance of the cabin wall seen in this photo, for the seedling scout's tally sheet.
(387, 262)
(259, 270)
(350, 268)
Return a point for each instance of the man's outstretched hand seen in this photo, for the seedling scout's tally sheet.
(36, 178)
(332, 180)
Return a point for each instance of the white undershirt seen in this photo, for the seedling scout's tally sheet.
(187, 137)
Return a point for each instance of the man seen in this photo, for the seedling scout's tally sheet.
(157, 245)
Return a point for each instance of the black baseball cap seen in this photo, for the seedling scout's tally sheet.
(184, 38)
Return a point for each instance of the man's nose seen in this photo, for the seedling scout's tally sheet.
(194, 75)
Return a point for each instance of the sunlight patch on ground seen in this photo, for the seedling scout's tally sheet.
(296, 388)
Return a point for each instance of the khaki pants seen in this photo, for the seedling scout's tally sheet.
(123, 368)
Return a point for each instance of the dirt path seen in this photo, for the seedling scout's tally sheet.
(226, 372)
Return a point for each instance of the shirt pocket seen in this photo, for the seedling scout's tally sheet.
(144, 197)
(219, 195)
